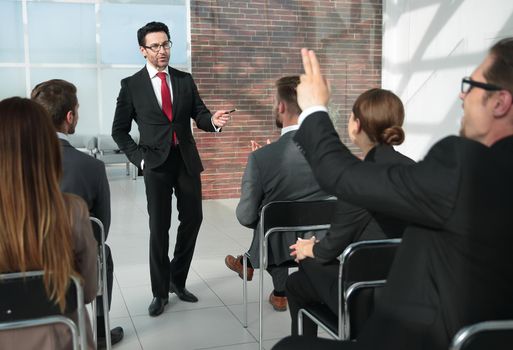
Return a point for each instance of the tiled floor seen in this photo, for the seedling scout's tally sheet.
(215, 322)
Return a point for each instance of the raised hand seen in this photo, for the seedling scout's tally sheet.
(313, 90)
(255, 145)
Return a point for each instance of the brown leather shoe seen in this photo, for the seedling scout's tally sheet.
(235, 264)
(278, 303)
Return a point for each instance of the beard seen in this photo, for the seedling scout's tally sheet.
(277, 120)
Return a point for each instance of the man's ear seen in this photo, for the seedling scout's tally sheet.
(503, 103)
(143, 51)
(69, 117)
(282, 107)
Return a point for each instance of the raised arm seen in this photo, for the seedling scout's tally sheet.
(423, 193)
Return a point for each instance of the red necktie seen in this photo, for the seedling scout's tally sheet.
(167, 106)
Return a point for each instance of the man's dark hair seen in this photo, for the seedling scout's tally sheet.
(286, 88)
(501, 71)
(58, 97)
(152, 27)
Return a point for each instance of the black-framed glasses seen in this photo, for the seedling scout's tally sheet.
(156, 47)
(467, 84)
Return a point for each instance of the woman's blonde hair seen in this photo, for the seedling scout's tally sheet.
(35, 230)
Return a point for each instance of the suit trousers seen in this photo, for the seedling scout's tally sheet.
(160, 183)
(279, 275)
(314, 283)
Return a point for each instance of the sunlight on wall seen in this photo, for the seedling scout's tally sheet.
(428, 47)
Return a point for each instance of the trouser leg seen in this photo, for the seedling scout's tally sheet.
(279, 276)
(190, 215)
(300, 294)
(159, 190)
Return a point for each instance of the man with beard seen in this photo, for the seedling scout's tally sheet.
(162, 101)
(275, 172)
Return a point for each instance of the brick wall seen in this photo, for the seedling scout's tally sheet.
(239, 48)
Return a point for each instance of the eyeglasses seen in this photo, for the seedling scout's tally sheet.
(156, 47)
(467, 84)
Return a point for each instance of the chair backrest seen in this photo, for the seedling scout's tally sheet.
(24, 303)
(489, 335)
(296, 214)
(364, 266)
(355, 266)
(293, 216)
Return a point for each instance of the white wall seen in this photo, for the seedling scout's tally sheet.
(428, 46)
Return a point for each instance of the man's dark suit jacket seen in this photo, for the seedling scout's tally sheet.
(85, 176)
(455, 265)
(137, 101)
(275, 172)
(351, 223)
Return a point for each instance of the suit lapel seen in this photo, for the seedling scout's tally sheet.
(146, 89)
(175, 85)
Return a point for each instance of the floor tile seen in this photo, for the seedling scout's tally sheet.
(193, 329)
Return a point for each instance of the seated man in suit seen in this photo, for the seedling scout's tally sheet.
(82, 175)
(275, 172)
(454, 265)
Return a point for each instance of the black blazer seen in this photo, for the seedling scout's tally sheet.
(454, 266)
(85, 176)
(137, 101)
(352, 223)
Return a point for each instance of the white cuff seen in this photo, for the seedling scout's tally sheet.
(311, 110)
(142, 164)
(215, 127)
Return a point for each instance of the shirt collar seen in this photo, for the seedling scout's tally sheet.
(152, 71)
(62, 136)
(289, 128)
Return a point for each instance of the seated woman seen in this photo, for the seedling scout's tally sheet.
(40, 228)
(374, 126)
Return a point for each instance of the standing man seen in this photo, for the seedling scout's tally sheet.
(454, 265)
(162, 101)
(82, 175)
(275, 172)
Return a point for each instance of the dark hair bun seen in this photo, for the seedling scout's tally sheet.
(392, 136)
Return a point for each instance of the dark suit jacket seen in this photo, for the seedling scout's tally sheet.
(454, 266)
(351, 223)
(85, 176)
(275, 172)
(137, 101)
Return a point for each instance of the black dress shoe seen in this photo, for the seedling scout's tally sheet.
(116, 334)
(182, 293)
(157, 306)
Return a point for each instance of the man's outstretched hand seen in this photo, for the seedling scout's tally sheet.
(313, 90)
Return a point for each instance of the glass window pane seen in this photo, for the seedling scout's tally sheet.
(16, 82)
(85, 81)
(148, 2)
(120, 23)
(111, 79)
(11, 32)
(61, 33)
